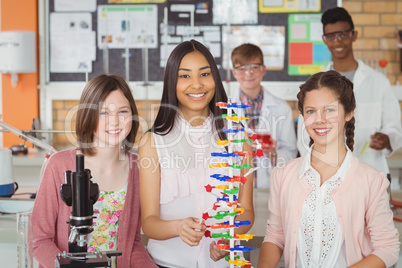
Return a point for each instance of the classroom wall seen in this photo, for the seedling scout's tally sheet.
(20, 104)
(377, 23)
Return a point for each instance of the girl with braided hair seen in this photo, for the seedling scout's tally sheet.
(328, 209)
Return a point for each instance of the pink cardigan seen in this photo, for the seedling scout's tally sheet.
(50, 214)
(361, 203)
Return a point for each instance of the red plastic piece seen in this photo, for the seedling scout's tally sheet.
(209, 188)
(206, 216)
(221, 226)
(259, 153)
(208, 234)
(241, 179)
(223, 246)
(253, 137)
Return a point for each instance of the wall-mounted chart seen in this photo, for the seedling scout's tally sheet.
(307, 52)
(271, 40)
(72, 42)
(133, 38)
(121, 26)
(284, 6)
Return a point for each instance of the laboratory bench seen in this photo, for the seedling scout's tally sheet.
(27, 168)
(9, 207)
(27, 171)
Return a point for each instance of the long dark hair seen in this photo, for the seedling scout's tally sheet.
(168, 110)
(342, 88)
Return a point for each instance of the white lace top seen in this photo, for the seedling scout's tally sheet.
(320, 241)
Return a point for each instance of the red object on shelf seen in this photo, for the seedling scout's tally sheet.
(383, 63)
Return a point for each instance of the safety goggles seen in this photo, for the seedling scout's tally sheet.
(250, 68)
(341, 35)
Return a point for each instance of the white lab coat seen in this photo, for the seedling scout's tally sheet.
(377, 109)
(276, 119)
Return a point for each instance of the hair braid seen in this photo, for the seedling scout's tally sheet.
(350, 133)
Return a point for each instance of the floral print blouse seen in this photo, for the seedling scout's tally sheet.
(107, 210)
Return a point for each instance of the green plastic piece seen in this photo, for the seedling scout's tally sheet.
(242, 140)
(240, 166)
(218, 235)
(233, 191)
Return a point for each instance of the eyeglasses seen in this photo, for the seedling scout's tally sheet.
(341, 35)
(250, 68)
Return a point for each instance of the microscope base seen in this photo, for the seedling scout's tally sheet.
(82, 259)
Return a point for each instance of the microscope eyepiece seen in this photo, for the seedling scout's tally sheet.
(79, 162)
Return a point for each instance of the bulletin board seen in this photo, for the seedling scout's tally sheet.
(307, 52)
(209, 29)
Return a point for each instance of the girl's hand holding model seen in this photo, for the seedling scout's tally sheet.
(191, 231)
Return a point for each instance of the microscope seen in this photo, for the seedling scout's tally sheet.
(80, 193)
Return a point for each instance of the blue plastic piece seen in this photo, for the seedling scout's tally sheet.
(220, 177)
(235, 130)
(238, 105)
(238, 223)
(225, 154)
(226, 198)
(241, 248)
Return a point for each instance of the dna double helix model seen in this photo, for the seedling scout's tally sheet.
(226, 207)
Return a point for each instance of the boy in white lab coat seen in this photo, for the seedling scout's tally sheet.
(378, 115)
(268, 114)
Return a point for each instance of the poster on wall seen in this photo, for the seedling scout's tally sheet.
(75, 5)
(307, 52)
(285, 6)
(180, 12)
(271, 40)
(72, 43)
(183, 20)
(235, 12)
(210, 36)
(127, 26)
